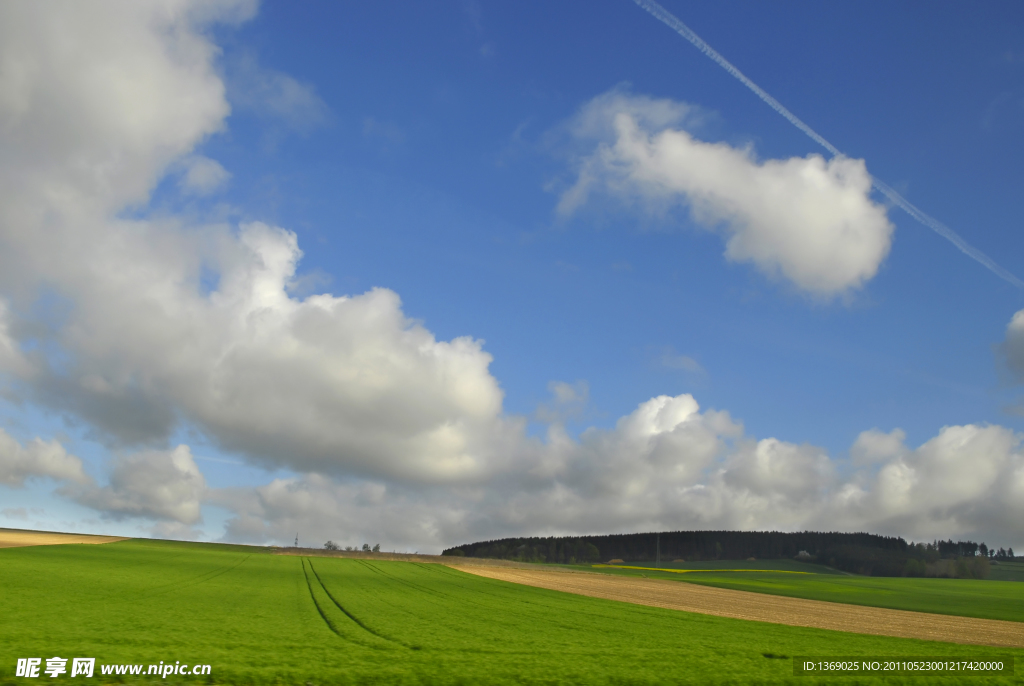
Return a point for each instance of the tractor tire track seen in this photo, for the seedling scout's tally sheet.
(194, 581)
(342, 608)
(316, 604)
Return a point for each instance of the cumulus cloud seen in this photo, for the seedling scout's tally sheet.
(636, 475)
(667, 465)
(329, 383)
(163, 485)
(38, 458)
(807, 220)
(323, 383)
(967, 480)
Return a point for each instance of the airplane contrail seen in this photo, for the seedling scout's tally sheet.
(673, 22)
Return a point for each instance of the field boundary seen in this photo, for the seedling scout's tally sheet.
(448, 561)
(761, 607)
(23, 538)
(700, 571)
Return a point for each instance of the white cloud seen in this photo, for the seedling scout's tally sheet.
(673, 360)
(568, 401)
(665, 466)
(38, 458)
(274, 94)
(95, 100)
(804, 219)
(875, 446)
(325, 383)
(203, 176)
(335, 384)
(968, 480)
(163, 485)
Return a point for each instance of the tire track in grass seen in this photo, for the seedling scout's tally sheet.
(343, 610)
(333, 626)
(487, 608)
(195, 581)
(442, 601)
(453, 574)
(430, 605)
(316, 604)
(406, 582)
(396, 602)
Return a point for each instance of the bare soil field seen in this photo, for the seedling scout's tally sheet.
(17, 538)
(761, 607)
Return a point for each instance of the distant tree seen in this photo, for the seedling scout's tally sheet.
(1009, 553)
(349, 548)
(983, 550)
(376, 548)
(331, 545)
(914, 568)
(980, 568)
(366, 547)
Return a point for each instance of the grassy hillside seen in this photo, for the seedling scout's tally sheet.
(987, 599)
(259, 618)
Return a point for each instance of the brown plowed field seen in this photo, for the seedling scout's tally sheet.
(16, 538)
(761, 607)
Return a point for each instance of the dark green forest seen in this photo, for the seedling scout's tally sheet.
(859, 553)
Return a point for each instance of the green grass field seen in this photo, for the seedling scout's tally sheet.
(1007, 571)
(259, 618)
(988, 599)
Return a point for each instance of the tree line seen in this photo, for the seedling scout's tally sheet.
(860, 553)
(331, 545)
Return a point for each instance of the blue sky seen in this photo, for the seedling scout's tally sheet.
(425, 149)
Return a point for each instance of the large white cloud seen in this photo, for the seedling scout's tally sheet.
(161, 485)
(667, 465)
(37, 459)
(99, 103)
(967, 480)
(807, 220)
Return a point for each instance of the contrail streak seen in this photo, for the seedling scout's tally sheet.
(670, 20)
